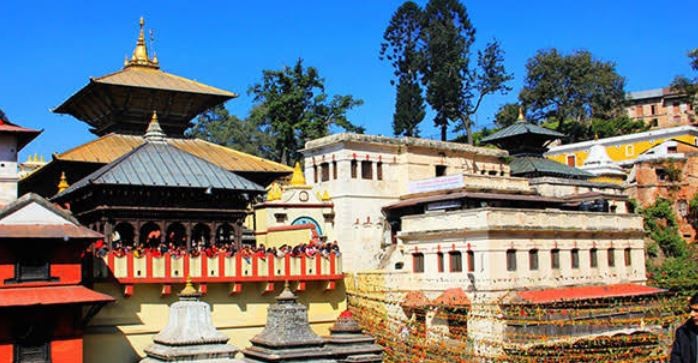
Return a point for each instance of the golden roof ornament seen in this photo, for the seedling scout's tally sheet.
(154, 132)
(521, 115)
(297, 179)
(325, 197)
(63, 183)
(274, 192)
(189, 291)
(140, 53)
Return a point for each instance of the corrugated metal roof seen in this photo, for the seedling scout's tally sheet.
(472, 195)
(112, 146)
(24, 135)
(521, 128)
(52, 231)
(586, 292)
(163, 165)
(51, 295)
(530, 164)
(155, 78)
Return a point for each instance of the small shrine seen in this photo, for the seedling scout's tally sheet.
(190, 335)
(287, 336)
(601, 166)
(526, 144)
(350, 344)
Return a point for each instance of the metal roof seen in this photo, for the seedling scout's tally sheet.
(24, 135)
(112, 146)
(163, 165)
(585, 292)
(521, 128)
(472, 195)
(531, 164)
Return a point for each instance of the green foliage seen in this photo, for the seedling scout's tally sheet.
(507, 114)
(675, 273)
(573, 88)
(293, 104)
(687, 85)
(447, 34)
(401, 49)
(662, 227)
(217, 125)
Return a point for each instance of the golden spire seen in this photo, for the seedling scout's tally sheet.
(140, 53)
(325, 196)
(274, 192)
(63, 183)
(521, 115)
(154, 132)
(298, 178)
(189, 290)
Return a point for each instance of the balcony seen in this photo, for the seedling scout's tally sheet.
(167, 269)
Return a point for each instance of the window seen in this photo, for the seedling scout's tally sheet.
(672, 149)
(571, 160)
(440, 262)
(417, 262)
(638, 111)
(575, 257)
(324, 171)
(471, 261)
(628, 257)
(654, 123)
(661, 174)
(366, 170)
(379, 170)
(511, 260)
(33, 266)
(653, 109)
(533, 260)
(334, 170)
(32, 349)
(593, 258)
(629, 150)
(611, 257)
(455, 260)
(440, 170)
(354, 167)
(555, 259)
(314, 173)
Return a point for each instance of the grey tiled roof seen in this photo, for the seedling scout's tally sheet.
(530, 164)
(162, 165)
(521, 128)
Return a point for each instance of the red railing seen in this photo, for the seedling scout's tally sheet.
(128, 269)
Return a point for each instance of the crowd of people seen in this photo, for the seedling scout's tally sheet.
(311, 249)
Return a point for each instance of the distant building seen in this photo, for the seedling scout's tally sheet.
(12, 139)
(661, 108)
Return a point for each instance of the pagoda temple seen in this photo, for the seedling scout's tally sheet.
(157, 190)
(117, 107)
(526, 144)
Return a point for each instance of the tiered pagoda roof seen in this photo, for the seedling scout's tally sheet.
(122, 101)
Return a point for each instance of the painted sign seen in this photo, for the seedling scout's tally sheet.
(438, 183)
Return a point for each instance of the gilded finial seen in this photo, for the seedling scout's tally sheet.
(596, 136)
(140, 53)
(274, 192)
(63, 182)
(325, 196)
(297, 178)
(521, 115)
(154, 132)
(189, 291)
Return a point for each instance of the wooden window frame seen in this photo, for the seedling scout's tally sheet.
(533, 264)
(455, 261)
(511, 260)
(418, 262)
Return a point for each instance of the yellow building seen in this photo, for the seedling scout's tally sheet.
(624, 149)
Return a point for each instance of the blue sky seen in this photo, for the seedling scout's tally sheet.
(52, 48)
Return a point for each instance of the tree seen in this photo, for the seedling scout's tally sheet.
(507, 114)
(455, 88)
(571, 89)
(487, 78)
(293, 104)
(401, 48)
(217, 125)
(686, 85)
(447, 34)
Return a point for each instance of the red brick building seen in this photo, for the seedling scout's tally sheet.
(43, 305)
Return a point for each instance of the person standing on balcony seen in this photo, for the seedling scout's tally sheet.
(685, 347)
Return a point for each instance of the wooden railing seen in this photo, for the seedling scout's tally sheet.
(169, 269)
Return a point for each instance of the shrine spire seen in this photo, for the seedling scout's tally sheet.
(140, 53)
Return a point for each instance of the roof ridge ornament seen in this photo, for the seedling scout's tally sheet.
(140, 53)
(63, 182)
(297, 179)
(154, 132)
(521, 118)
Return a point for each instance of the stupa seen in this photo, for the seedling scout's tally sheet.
(350, 344)
(287, 336)
(189, 335)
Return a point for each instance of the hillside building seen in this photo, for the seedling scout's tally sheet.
(661, 108)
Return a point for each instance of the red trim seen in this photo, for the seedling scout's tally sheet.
(128, 291)
(301, 286)
(221, 265)
(204, 265)
(268, 288)
(303, 269)
(270, 265)
(185, 263)
(129, 266)
(287, 265)
(332, 263)
(53, 295)
(168, 265)
(236, 289)
(149, 264)
(203, 288)
(331, 285)
(291, 228)
(586, 292)
(255, 265)
(166, 290)
(318, 265)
